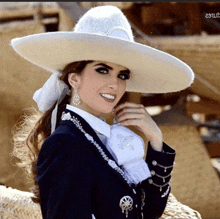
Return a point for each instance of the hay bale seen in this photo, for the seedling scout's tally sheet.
(18, 204)
(194, 182)
(19, 79)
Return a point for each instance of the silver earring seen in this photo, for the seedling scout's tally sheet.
(76, 99)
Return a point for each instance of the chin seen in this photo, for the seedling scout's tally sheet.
(106, 110)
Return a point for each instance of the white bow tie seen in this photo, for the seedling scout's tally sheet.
(128, 150)
(126, 145)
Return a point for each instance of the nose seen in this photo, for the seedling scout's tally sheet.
(113, 83)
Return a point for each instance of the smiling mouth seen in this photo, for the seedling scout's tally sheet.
(108, 97)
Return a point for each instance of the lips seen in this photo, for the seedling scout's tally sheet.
(109, 97)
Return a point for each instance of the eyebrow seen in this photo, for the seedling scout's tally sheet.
(109, 67)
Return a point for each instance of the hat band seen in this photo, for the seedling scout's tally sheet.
(116, 32)
(120, 32)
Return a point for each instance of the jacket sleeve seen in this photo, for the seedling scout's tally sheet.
(157, 187)
(64, 179)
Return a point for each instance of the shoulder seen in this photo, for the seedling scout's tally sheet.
(64, 141)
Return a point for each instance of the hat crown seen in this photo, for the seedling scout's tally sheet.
(105, 20)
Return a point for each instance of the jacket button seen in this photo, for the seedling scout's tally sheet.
(134, 191)
(136, 206)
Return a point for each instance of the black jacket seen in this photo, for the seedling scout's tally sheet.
(76, 182)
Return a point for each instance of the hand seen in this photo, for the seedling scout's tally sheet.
(136, 115)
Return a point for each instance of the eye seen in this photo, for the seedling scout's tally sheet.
(102, 70)
(124, 76)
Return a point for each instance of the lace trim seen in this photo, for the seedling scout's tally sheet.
(137, 171)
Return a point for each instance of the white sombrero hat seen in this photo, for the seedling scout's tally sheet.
(104, 34)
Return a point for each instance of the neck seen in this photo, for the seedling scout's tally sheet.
(88, 110)
(107, 116)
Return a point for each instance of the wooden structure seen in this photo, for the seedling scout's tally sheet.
(21, 79)
(202, 54)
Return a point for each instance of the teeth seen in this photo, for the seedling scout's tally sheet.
(109, 96)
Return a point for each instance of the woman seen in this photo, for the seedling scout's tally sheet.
(84, 166)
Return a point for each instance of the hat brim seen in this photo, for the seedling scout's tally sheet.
(152, 70)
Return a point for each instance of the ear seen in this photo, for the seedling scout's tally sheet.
(74, 80)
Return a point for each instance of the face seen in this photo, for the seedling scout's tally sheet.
(100, 86)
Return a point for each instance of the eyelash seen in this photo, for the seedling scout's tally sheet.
(100, 70)
(122, 76)
(126, 76)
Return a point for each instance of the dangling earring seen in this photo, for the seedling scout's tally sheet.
(76, 99)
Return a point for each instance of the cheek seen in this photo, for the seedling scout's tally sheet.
(88, 92)
(122, 87)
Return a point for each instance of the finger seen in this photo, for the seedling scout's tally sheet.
(132, 122)
(128, 116)
(128, 104)
(129, 110)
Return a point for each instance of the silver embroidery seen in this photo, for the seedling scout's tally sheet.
(76, 122)
(150, 181)
(166, 192)
(142, 199)
(163, 177)
(125, 142)
(154, 163)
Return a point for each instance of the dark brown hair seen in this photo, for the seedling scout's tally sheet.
(32, 131)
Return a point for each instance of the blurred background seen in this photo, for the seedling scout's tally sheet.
(188, 119)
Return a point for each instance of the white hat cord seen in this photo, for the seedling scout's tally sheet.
(53, 91)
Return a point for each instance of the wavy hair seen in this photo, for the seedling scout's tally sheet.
(34, 128)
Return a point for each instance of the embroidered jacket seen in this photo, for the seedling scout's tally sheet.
(76, 180)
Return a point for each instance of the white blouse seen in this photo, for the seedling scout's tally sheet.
(135, 168)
